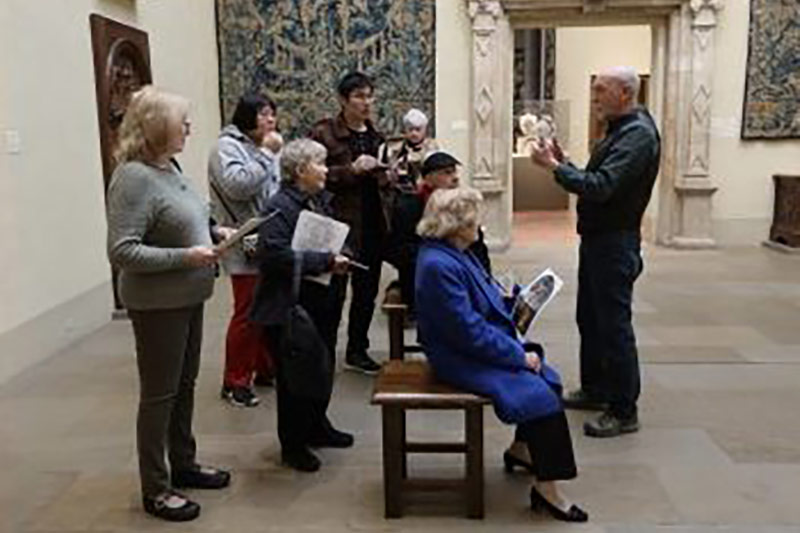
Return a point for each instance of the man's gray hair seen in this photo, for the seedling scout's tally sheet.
(299, 153)
(415, 119)
(627, 76)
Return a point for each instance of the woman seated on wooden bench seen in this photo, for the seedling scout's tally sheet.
(466, 330)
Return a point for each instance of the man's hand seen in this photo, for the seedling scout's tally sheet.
(365, 163)
(341, 264)
(199, 256)
(533, 362)
(559, 153)
(543, 154)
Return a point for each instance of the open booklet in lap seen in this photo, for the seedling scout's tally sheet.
(533, 298)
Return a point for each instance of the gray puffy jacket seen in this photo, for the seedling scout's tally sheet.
(241, 178)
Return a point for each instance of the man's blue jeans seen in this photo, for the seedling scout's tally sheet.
(608, 267)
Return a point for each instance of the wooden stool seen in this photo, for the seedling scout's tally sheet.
(403, 385)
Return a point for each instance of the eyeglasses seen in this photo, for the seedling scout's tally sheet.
(366, 97)
(187, 127)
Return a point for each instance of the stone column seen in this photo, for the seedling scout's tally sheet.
(694, 186)
(490, 145)
(484, 14)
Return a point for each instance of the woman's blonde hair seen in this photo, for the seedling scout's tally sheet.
(450, 210)
(146, 128)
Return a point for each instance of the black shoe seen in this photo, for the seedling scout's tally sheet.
(578, 399)
(201, 477)
(262, 380)
(301, 459)
(332, 438)
(172, 507)
(239, 396)
(573, 514)
(510, 461)
(609, 425)
(361, 362)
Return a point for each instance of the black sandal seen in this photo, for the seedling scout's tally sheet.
(510, 461)
(201, 477)
(161, 507)
(573, 514)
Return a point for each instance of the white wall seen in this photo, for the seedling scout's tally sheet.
(52, 221)
(453, 77)
(742, 169)
(581, 52)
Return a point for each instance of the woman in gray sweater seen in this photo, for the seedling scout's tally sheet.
(160, 241)
(242, 175)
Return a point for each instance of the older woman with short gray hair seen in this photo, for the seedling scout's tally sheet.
(471, 341)
(301, 316)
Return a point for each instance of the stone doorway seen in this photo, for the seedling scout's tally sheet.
(680, 96)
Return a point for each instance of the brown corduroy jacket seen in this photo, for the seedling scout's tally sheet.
(346, 185)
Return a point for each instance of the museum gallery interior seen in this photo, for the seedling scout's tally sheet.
(715, 309)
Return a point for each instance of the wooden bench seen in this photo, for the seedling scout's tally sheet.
(410, 385)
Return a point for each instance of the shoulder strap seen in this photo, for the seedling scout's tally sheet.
(223, 202)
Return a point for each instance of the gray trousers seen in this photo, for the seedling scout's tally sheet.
(168, 357)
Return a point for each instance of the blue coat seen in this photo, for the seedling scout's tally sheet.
(468, 335)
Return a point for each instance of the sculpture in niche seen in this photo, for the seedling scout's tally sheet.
(121, 67)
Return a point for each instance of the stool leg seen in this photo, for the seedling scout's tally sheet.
(403, 443)
(474, 481)
(393, 461)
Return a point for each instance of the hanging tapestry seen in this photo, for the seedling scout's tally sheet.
(772, 93)
(296, 51)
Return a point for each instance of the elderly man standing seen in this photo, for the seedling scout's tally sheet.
(613, 192)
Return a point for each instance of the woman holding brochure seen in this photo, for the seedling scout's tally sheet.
(160, 241)
(242, 175)
(299, 313)
(470, 338)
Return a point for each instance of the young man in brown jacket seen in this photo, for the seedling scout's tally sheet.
(362, 198)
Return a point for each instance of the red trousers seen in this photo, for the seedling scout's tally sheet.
(246, 351)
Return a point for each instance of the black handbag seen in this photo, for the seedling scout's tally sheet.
(306, 363)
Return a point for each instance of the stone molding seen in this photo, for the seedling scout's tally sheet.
(686, 98)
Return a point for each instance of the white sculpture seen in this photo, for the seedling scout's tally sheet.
(534, 129)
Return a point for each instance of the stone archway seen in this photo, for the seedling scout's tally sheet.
(683, 65)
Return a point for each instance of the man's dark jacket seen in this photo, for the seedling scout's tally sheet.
(615, 188)
(347, 186)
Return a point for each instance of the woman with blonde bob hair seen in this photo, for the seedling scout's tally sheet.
(160, 241)
(469, 336)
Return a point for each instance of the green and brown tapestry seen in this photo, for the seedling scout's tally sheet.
(772, 95)
(296, 51)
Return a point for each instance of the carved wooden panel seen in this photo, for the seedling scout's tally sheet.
(786, 216)
(121, 67)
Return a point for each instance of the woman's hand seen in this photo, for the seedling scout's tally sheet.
(199, 256)
(341, 264)
(533, 362)
(273, 141)
(224, 233)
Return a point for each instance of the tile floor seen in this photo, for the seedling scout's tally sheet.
(719, 335)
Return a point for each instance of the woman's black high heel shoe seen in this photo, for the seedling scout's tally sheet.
(574, 514)
(510, 461)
